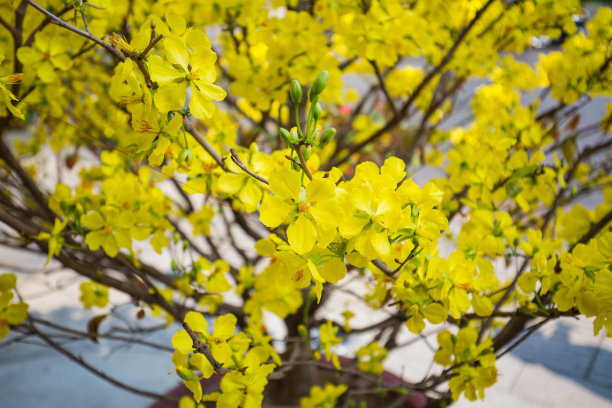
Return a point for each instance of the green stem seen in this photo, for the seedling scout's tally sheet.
(297, 120)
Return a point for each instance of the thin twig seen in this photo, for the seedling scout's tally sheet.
(303, 163)
(409, 257)
(84, 18)
(383, 87)
(244, 168)
(288, 157)
(203, 349)
(94, 370)
(530, 331)
(384, 268)
(56, 20)
(207, 146)
(6, 25)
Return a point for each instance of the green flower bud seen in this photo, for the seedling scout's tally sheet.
(289, 137)
(186, 374)
(327, 136)
(186, 155)
(295, 90)
(307, 151)
(302, 331)
(318, 85)
(317, 111)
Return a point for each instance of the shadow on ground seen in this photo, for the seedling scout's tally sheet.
(590, 365)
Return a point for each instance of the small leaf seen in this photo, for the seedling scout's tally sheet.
(93, 326)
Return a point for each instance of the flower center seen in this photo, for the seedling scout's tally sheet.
(193, 75)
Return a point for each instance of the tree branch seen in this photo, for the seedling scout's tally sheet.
(203, 349)
(56, 20)
(244, 168)
(204, 143)
(93, 370)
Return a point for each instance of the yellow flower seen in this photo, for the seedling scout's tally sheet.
(93, 294)
(47, 54)
(311, 213)
(10, 314)
(6, 96)
(323, 397)
(188, 63)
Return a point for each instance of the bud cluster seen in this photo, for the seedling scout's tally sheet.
(296, 138)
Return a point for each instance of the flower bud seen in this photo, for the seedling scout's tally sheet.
(295, 90)
(186, 374)
(302, 331)
(288, 137)
(307, 152)
(327, 136)
(186, 155)
(317, 111)
(318, 85)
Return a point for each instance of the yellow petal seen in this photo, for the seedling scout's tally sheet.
(200, 106)
(176, 23)
(273, 211)
(171, 97)
(380, 242)
(435, 313)
(177, 52)
(211, 91)
(320, 189)
(162, 71)
(28, 55)
(92, 221)
(250, 195)
(182, 342)
(7, 282)
(197, 322)
(230, 183)
(46, 72)
(202, 364)
(196, 388)
(225, 326)
(286, 184)
(333, 270)
(302, 235)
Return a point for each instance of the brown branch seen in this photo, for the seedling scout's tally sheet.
(288, 157)
(92, 369)
(303, 163)
(383, 267)
(189, 128)
(594, 230)
(530, 331)
(31, 186)
(6, 25)
(409, 257)
(84, 19)
(203, 349)
(56, 20)
(108, 335)
(383, 87)
(30, 40)
(244, 168)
